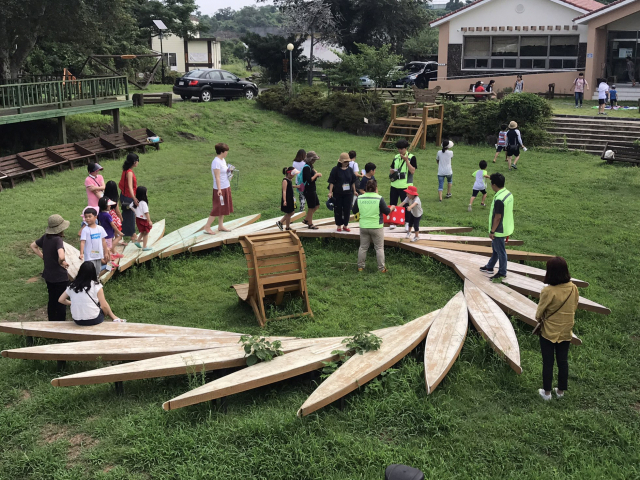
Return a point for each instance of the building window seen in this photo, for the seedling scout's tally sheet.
(526, 52)
(172, 60)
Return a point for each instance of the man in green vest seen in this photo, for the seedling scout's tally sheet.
(500, 226)
(371, 207)
(401, 173)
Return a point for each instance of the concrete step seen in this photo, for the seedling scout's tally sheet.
(594, 135)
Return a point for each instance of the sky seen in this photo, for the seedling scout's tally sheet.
(209, 7)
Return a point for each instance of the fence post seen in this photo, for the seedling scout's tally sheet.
(94, 91)
(18, 87)
(59, 91)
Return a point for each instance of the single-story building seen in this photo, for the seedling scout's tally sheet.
(184, 55)
(547, 41)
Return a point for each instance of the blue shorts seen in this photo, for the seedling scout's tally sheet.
(441, 181)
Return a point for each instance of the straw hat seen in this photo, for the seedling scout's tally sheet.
(513, 125)
(311, 156)
(56, 225)
(344, 158)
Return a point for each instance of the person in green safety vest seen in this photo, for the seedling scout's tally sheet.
(500, 226)
(401, 173)
(371, 206)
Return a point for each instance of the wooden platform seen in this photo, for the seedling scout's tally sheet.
(360, 369)
(444, 340)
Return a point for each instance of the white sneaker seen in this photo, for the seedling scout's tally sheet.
(415, 239)
(559, 395)
(469, 208)
(408, 235)
(543, 394)
(392, 227)
(406, 228)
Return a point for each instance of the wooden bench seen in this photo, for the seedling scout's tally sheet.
(622, 153)
(142, 99)
(73, 152)
(98, 146)
(140, 135)
(43, 158)
(13, 167)
(276, 264)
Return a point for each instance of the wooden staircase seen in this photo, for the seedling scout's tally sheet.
(413, 126)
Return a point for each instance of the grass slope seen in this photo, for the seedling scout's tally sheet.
(483, 421)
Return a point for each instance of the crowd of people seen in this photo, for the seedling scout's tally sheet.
(109, 218)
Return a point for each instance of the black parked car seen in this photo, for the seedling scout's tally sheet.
(418, 73)
(208, 83)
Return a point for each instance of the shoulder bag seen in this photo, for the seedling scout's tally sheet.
(538, 327)
(396, 175)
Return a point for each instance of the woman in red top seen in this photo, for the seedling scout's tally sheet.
(479, 88)
(128, 185)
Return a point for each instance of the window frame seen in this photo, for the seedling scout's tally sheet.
(503, 58)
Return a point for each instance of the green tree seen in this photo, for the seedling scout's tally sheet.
(242, 20)
(270, 51)
(377, 63)
(421, 45)
(176, 15)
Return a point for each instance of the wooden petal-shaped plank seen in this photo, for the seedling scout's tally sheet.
(486, 241)
(182, 245)
(512, 302)
(105, 330)
(493, 324)
(131, 252)
(480, 250)
(533, 287)
(178, 364)
(444, 340)
(281, 368)
(449, 257)
(359, 369)
(72, 256)
(173, 238)
(127, 349)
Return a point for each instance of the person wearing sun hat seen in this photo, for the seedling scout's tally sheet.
(342, 189)
(414, 212)
(50, 248)
(94, 184)
(514, 142)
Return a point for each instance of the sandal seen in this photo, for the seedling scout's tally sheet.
(279, 224)
(312, 227)
(120, 320)
(287, 229)
(304, 220)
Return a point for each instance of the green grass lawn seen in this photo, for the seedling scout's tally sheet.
(483, 421)
(566, 106)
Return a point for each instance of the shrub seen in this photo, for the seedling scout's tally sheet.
(274, 99)
(349, 110)
(309, 106)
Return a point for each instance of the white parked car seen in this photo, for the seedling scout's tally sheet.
(365, 81)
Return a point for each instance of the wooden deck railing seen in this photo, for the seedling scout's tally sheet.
(62, 93)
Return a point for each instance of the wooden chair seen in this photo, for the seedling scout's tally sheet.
(276, 264)
(43, 158)
(623, 153)
(13, 167)
(140, 135)
(73, 152)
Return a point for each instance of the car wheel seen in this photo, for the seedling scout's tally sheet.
(250, 94)
(205, 95)
(185, 97)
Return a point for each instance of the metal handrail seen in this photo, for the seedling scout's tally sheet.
(61, 93)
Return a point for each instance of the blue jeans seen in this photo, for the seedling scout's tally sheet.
(579, 97)
(441, 181)
(499, 255)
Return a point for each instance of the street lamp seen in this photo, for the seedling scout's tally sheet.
(290, 48)
(161, 27)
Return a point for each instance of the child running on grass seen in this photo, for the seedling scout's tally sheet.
(143, 219)
(502, 141)
(414, 212)
(287, 204)
(479, 185)
(106, 222)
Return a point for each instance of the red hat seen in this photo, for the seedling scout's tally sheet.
(411, 190)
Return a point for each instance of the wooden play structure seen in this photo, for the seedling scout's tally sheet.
(421, 114)
(276, 264)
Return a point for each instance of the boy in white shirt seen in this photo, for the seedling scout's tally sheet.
(353, 165)
(93, 243)
(603, 95)
(479, 185)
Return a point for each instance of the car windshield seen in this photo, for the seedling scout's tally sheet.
(194, 74)
(414, 67)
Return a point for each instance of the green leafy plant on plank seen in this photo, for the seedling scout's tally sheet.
(360, 343)
(259, 349)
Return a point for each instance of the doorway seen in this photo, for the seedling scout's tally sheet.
(620, 45)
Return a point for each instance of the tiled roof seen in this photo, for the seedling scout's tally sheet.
(597, 10)
(590, 5)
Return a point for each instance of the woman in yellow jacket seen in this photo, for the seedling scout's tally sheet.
(556, 311)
